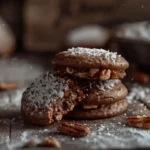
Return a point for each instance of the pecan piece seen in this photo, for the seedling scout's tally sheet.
(69, 70)
(90, 106)
(139, 121)
(73, 129)
(93, 71)
(72, 107)
(105, 74)
(30, 143)
(140, 77)
(82, 74)
(50, 142)
(115, 74)
(58, 117)
(73, 96)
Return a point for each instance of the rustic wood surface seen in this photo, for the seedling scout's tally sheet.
(106, 133)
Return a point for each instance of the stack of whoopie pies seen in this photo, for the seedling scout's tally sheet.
(85, 85)
(97, 73)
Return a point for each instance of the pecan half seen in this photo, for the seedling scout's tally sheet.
(7, 86)
(105, 74)
(50, 142)
(139, 121)
(73, 129)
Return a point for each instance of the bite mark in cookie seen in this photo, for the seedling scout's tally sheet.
(48, 98)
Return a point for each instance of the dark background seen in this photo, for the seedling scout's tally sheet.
(43, 25)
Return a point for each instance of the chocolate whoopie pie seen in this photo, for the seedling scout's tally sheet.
(90, 64)
(48, 98)
(102, 92)
(104, 111)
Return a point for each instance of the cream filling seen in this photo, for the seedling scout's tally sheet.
(103, 74)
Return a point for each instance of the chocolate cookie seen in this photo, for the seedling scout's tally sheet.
(90, 64)
(102, 92)
(48, 98)
(104, 111)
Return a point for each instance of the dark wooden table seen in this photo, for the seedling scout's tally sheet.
(106, 133)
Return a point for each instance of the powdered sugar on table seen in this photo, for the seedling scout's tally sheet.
(138, 92)
(118, 135)
(44, 90)
(94, 52)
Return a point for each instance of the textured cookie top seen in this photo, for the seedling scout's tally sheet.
(94, 52)
(104, 85)
(90, 58)
(45, 90)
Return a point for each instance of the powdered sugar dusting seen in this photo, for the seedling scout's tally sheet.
(103, 85)
(94, 52)
(44, 90)
(113, 133)
(23, 138)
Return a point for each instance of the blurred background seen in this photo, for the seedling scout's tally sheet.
(32, 31)
(48, 26)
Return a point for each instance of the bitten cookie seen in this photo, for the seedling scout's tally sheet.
(102, 92)
(48, 98)
(90, 64)
(105, 111)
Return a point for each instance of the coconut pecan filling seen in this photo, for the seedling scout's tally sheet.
(67, 103)
(91, 73)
